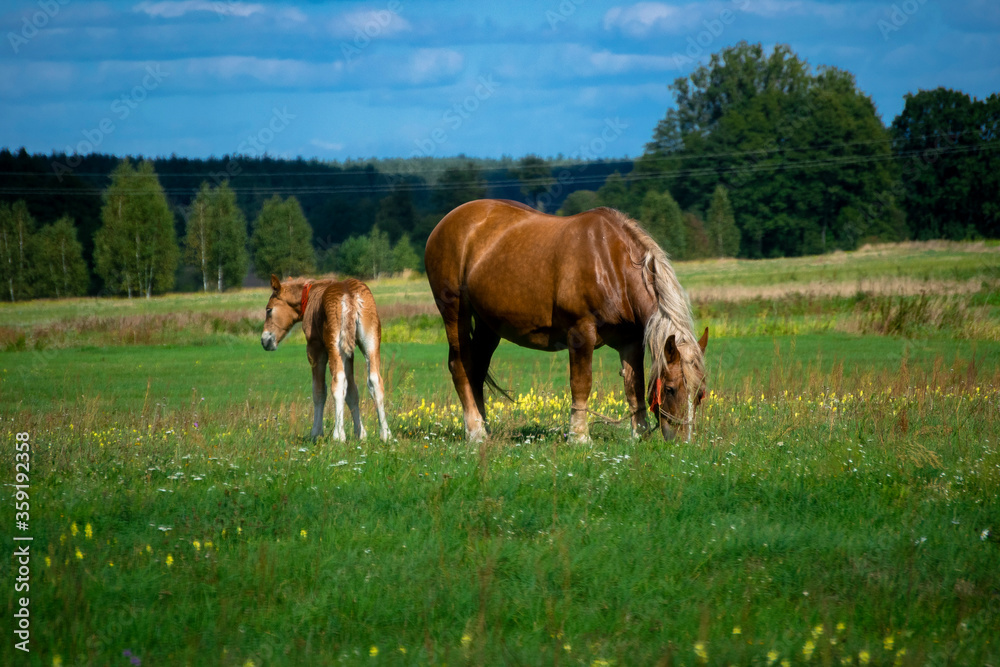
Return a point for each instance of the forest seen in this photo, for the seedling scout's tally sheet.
(761, 156)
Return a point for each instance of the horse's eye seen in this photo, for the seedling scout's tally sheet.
(671, 390)
(269, 312)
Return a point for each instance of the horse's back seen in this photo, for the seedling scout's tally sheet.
(528, 274)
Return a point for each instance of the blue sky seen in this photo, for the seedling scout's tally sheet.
(395, 78)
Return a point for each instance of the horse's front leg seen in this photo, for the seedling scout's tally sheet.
(317, 358)
(581, 359)
(632, 373)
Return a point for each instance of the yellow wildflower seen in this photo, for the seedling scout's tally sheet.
(197, 545)
(807, 649)
(888, 642)
(737, 630)
(818, 631)
(170, 560)
(701, 651)
(73, 529)
(466, 640)
(373, 651)
(303, 533)
(79, 554)
(864, 657)
(772, 657)
(88, 531)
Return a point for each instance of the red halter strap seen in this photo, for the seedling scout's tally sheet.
(305, 296)
(656, 396)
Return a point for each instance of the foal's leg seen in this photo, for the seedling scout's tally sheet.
(352, 398)
(369, 336)
(632, 373)
(581, 359)
(317, 358)
(339, 393)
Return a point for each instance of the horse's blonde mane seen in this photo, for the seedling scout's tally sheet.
(672, 315)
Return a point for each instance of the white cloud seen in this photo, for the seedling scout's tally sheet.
(171, 9)
(426, 65)
(327, 145)
(641, 19)
(370, 23)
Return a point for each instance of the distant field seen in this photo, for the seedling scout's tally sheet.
(839, 502)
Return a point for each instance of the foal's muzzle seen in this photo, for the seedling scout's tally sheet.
(268, 342)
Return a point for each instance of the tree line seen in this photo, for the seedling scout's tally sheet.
(761, 156)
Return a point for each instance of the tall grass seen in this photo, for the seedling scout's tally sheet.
(838, 503)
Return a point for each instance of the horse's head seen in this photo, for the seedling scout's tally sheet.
(284, 309)
(677, 388)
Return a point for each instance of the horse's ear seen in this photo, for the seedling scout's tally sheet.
(275, 283)
(703, 341)
(673, 354)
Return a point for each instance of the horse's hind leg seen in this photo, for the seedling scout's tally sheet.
(352, 398)
(484, 344)
(458, 329)
(369, 337)
(339, 394)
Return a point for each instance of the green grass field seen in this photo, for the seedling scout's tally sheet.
(839, 502)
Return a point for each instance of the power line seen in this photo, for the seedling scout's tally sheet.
(584, 179)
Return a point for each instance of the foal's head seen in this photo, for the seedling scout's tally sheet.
(677, 387)
(284, 309)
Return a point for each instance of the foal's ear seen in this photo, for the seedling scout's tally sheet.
(703, 341)
(275, 283)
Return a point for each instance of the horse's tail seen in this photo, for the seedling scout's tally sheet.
(492, 384)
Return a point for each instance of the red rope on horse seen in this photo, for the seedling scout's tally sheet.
(305, 296)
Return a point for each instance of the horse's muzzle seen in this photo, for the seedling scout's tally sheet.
(268, 342)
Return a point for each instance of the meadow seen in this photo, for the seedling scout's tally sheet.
(839, 502)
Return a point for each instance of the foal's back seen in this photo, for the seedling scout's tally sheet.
(350, 317)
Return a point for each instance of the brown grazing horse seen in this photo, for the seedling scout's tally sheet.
(499, 269)
(335, 317)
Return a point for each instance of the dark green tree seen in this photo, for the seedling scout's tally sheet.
(535, 177)
(216, 237)
(578, 202)
(16, 230)
(135, 250)
(614, 193)
(662, 218)
(396, 214)
(793, 147)
(404, 257)
(58, 259)
(282, 240)
(457, 186)
(720, 227)
(942, 139)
